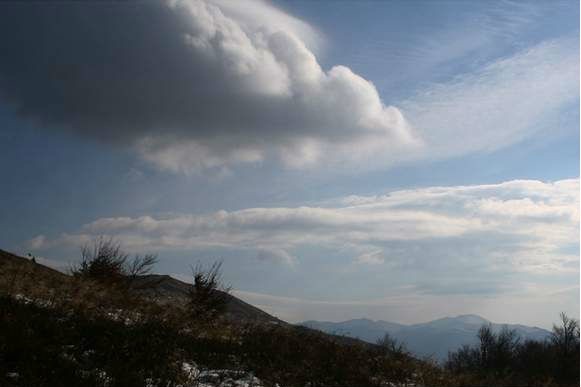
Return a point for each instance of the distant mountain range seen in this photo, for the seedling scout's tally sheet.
(431, 339)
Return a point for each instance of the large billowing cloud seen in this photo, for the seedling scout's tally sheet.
(515, 226)
(192, 84)
(195, 84)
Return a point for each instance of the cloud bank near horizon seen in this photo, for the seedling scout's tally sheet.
(408, 306)
(524, 226)
(215, 85)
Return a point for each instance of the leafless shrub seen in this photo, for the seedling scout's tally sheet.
(141, 265)
(104, 260)
(207, 296)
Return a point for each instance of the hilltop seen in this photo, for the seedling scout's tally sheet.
(59, 329)
(162, 288)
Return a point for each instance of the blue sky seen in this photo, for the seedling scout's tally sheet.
(393, 160)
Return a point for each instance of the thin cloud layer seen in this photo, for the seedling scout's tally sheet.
(514, 226)
(191, 84)
(505, 102)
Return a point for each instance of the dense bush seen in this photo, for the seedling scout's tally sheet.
(54, 347)
(47, 347)
(501, 359)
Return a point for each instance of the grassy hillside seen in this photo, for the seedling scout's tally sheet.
(58, 330)
(161, 288)
(65, 330)
(167, 288)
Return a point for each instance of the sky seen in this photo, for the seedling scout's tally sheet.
(398, 160)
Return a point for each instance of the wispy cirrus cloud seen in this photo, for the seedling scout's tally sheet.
(504, 102)
(371, 258)
(476, 35)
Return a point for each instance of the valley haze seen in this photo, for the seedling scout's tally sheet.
(432, 339)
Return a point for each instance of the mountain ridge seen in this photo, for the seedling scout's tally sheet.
(432, 339)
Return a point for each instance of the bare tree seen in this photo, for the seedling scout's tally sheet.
(497, 349)
(507, 342)
(391, 344)
(487, 342)
(566, 336)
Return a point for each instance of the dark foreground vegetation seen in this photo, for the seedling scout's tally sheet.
(102, 326)
(502, 359)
